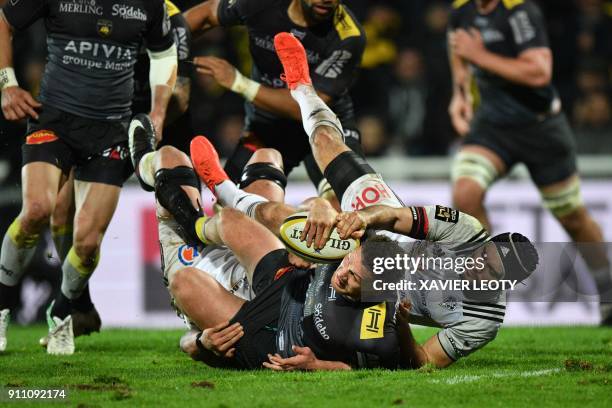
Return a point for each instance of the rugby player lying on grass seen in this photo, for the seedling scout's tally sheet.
(467, 324)
(282, 314)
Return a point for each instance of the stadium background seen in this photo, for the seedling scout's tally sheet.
(406, 131)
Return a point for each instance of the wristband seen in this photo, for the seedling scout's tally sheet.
(245, 86)
(7, 78)
(199, 344)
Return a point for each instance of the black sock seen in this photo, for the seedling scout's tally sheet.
(61, 307)
(345, 169)
(83, 303)
(9, 296)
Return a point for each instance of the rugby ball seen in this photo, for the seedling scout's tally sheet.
(334, 250)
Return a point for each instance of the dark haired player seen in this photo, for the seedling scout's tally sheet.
(468, 324)
(334, 41)
(81, 122)
(518, 120)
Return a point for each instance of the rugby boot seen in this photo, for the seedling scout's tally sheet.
(141, 138)
(61, 335)
(83, 323)
(5, 317)
(292, 56)
(206, 163)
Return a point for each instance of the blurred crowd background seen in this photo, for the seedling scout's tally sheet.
(403, 90)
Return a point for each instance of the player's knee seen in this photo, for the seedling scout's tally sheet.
(264, 170)
(184, 281)
(468, 196)
(169, 157)
(36, 213)
(473, 171)
(267, 155)
(566, 205)
(229, 217)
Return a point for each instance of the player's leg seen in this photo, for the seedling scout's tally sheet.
(564, 201)
(45, 159)
(40, 183)
(350, 176)
(95, 206)
(475, 168)
(202, 298)
(554, 171)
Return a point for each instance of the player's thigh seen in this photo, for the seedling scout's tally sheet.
(63, 214)
(40, 185)
(551, 161)
(249, 240)
(202, 298)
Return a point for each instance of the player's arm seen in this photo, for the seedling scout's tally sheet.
(202, 17)
(433, 223)
(179, 101)
(277, 101)
(532, 67)
(163, 63)
(413, 354)
(460, 108)
(16, 102)
(304, 360)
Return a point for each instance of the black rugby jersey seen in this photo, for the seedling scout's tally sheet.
(182, 39)
(511, 28)
(335, 328)
(334, 50)
(92, 48)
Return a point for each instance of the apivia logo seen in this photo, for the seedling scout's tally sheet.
(332, 67)
(80, 7)
(95, 49)
(128, 12)
(180, 39)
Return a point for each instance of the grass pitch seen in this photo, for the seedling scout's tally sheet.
(556, 367)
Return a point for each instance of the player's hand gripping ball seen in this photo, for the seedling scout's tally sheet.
(334, 250)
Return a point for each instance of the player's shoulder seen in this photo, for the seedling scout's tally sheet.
(172, 8)
(512, 6)
(460, 4)
(461, 9)
(347, 27)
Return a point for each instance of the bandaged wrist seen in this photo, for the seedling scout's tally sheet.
(7, 78)
(245, 86)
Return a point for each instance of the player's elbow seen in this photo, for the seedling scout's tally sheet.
(540, 79)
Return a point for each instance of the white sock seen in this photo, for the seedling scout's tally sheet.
(314, 111)
(146, 169)
(229, 195)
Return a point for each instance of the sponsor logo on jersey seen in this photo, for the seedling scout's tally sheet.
(166, 23)
(14, 2)
(129, 12)
(446, 214)
(105, 28)
(187, 254)
(371, 195)
(180, 39)
(373, 322)
(491, 35)
(450, 303)
(94, 49)
(118, 152)
(344, 24)
(80, 7)
(331, 293)
(522, 28)
(318, 321)
(41, 136)
(332, 67)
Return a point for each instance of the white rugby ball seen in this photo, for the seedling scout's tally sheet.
(334, 250)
